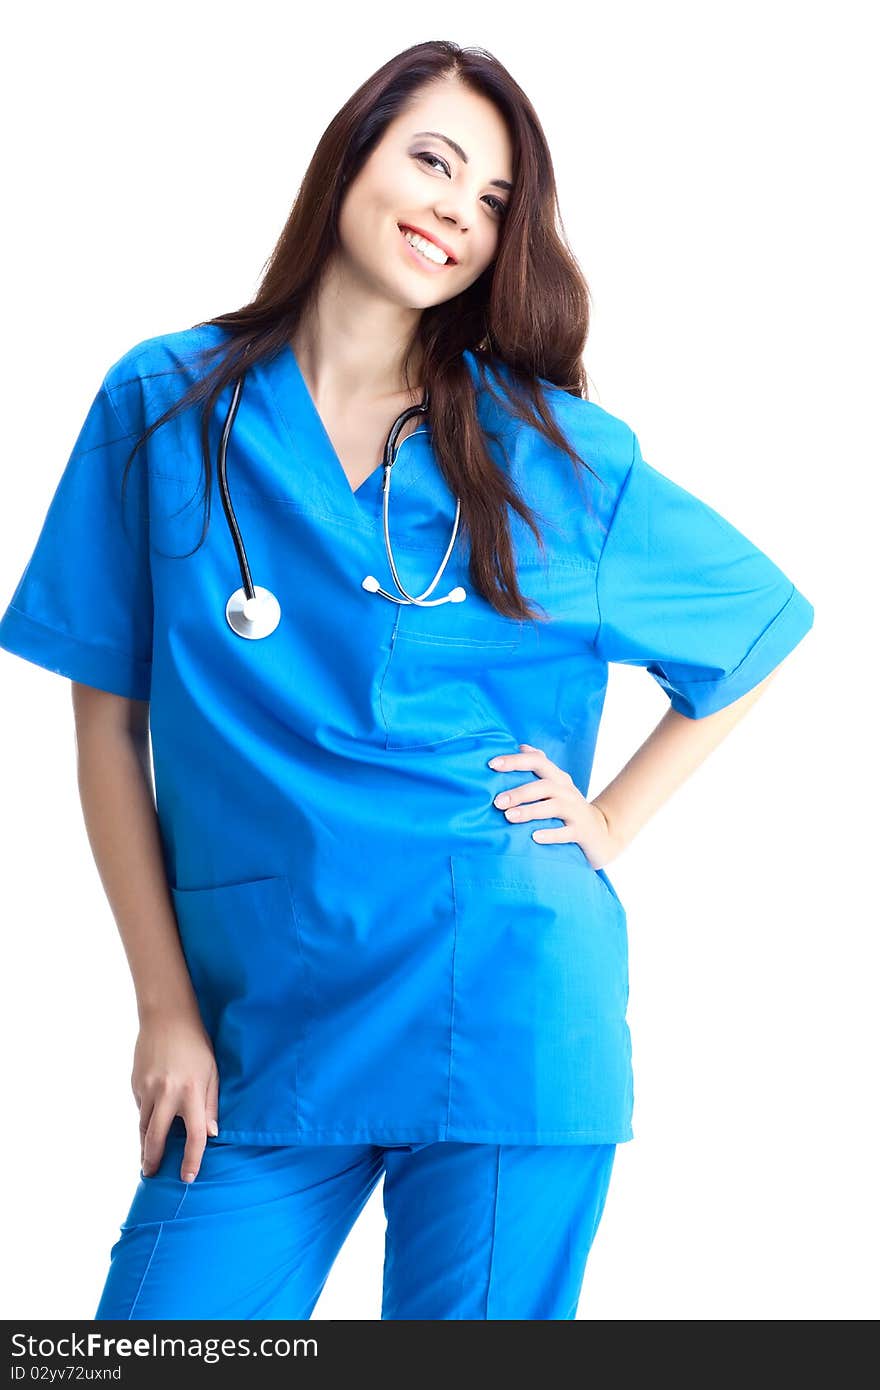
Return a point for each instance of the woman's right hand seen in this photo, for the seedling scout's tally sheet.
(174, 1073)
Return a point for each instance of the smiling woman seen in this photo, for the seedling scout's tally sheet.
(440, 205)
(427, 242)
(352, 956)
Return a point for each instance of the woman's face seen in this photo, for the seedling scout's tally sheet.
(415, 178)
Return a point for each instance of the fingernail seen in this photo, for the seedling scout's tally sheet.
(212, 1127)
(496, 762)
(189, 1177)
(502, 801)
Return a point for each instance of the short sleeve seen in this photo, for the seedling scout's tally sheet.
(83, 606)
(685, 594)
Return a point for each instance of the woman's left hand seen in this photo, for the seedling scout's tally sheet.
(553, 794)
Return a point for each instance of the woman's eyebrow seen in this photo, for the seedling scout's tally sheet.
(496, 183)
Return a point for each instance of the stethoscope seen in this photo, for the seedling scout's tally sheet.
(253, 611)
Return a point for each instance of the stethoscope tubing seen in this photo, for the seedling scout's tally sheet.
(231, 519)
(253, 611)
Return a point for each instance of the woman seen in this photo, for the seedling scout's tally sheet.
(367, 919)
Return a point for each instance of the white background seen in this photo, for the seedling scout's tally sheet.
(714, 171)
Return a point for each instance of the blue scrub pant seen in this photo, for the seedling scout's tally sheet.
(472, 1230)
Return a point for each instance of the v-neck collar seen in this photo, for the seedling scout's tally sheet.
(314, 446)
(317, 460)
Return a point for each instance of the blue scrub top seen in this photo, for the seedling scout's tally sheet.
(378, 954)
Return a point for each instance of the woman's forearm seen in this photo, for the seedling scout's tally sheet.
(668, 756)
(115, 789)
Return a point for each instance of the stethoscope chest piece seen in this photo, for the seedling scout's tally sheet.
(255, 617)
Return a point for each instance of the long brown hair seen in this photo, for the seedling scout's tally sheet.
(529, 310)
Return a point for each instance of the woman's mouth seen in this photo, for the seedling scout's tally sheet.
(425, 252)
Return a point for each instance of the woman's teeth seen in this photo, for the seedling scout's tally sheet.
(425, 247)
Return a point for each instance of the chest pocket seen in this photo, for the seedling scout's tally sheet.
(451, 669)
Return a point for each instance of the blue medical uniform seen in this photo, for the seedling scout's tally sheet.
(472, 1231)
(380, 957)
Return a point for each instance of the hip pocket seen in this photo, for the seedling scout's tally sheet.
(540, 991)
(241, 950)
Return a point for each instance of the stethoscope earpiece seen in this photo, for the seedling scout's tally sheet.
(255, 612)
(456, 595)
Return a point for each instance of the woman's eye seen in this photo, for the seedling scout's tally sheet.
(427, 156)
(500, 207)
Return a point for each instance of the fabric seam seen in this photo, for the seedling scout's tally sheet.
(720, 682)
(494, 1229)
(140, 1286)
(594, 646)
(112, 403)
(162, 1224)
(80, 641)
(452, 995)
